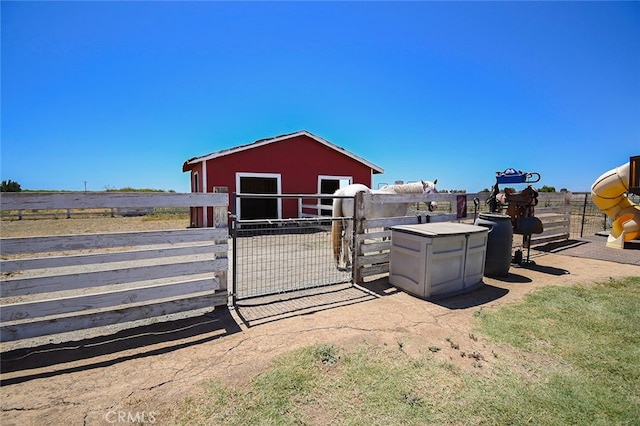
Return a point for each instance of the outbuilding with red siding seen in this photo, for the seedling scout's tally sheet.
(295, 163)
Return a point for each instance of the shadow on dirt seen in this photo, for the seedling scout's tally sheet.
(550, 270)
(262, 310)
(484, 294)
(515, 278)
(380, 287)
(150, 340)
(558, 246)
(594, 247)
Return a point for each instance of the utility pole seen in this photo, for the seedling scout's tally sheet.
(85, 186)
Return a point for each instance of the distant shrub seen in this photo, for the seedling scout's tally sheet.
(546, 188)
(10, 186)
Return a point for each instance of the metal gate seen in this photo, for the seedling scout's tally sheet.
(272, 256)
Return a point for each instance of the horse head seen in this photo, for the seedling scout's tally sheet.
(430, 188)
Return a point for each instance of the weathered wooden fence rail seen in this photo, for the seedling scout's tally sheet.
(373, 237)
(66, 283)
(554, 211)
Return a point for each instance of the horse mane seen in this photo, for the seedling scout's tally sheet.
(406, 188)
(342, 230)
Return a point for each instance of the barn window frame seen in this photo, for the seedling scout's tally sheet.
(343, 181)
(276, 176)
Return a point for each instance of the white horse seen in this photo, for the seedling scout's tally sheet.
(342, 230)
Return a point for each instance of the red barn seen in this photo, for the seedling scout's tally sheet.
(296, 163)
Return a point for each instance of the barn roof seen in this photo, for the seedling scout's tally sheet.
(190, 162)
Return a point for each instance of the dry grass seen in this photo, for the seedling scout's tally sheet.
(583, 369)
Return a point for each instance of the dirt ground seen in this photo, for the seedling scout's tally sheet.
(146, 373)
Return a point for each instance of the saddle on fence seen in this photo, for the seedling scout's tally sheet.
(521, 209)
(520, 206)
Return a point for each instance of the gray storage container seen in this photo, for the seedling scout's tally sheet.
(436, 260)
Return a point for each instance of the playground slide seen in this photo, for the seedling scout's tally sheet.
(609, 195)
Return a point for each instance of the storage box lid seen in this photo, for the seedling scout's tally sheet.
(439, 229)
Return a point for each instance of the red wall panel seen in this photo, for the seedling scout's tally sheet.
(299, 161)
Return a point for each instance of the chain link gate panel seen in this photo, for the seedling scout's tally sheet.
(272, 256)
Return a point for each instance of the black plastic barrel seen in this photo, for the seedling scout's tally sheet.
(499, 241)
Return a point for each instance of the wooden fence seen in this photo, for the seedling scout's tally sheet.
(554, 211)
(373, 237)
(66, 283)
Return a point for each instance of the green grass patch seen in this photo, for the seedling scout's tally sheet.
(571, 356)
(590, 336)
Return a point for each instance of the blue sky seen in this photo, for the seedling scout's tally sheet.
(120, 94)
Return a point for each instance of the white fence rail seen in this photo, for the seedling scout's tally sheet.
(66, 283)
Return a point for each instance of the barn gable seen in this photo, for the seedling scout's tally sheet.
(189, 164)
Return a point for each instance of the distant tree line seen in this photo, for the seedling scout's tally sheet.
(544, 188)
(12, 186)
(129, 189)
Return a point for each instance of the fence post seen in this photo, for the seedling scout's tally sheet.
(221, 220)
(234, 248)
(358, 215)
(584, 212)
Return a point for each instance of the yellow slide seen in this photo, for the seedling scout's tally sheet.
(609, 195)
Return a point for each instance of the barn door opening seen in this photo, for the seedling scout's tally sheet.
(258, 208)
(329, 185)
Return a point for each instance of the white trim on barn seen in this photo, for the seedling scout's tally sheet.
(342, 182)
(195, 188)
(205, 216)
(195, 184)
